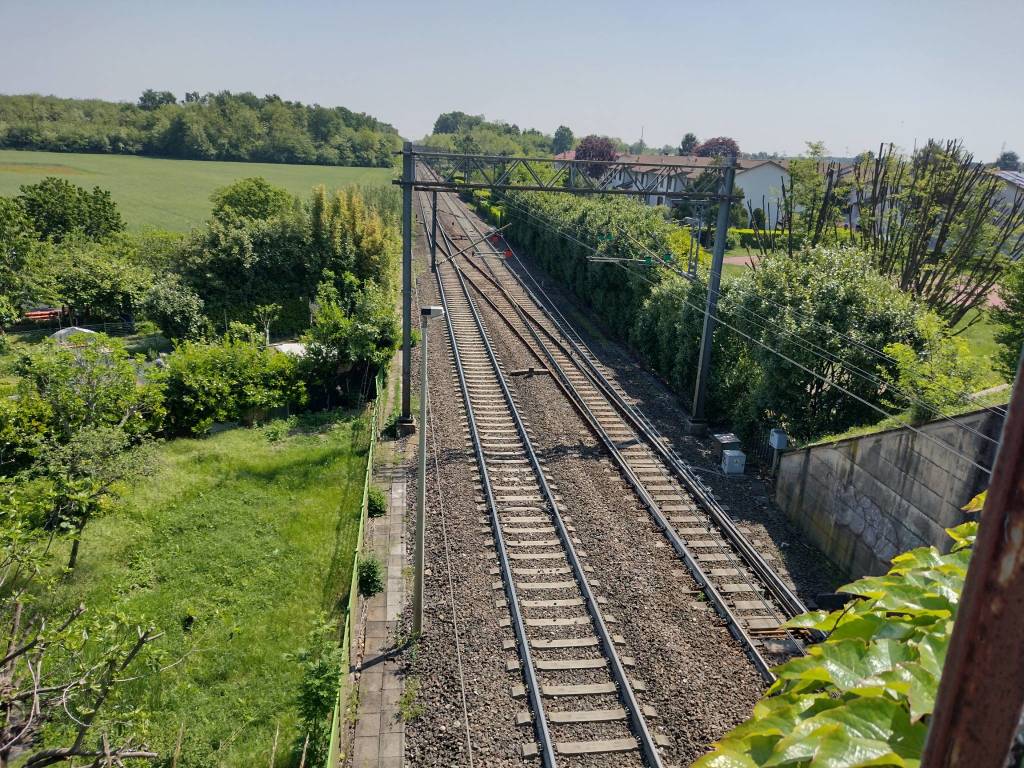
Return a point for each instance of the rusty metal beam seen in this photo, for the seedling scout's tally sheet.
(981, 694)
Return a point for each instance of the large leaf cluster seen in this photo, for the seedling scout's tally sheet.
(863, 696)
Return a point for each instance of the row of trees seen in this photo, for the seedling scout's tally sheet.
(800, 335)
(936, 222)
(214, 126)
(473, 134)
(61, 245)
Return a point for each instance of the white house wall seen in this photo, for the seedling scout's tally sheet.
(763, 183)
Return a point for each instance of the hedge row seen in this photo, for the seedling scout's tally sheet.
(784, 324)
(748, 238)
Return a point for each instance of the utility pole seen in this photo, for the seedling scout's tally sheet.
(421, 479)
(408, 176)
(697, 423)
(433, 231)
(981, 694)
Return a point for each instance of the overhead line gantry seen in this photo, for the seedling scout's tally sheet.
(427, 169)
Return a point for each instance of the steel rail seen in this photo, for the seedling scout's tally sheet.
(786, 597)
(641, 731)
(533, 691)
(720, 605)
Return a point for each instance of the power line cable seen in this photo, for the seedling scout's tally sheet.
(842, 361)
(810, 346)
(818, 376)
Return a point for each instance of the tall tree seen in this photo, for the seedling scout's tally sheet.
(61, 667)
(934, 224)
(151, 99)
(563, 139)
(1008, 161)
(1009, 319)
(688, 145)
(718, 146)
(252, 198)
(58, 209)
(599, 148)
(638, 147)
(455, 122)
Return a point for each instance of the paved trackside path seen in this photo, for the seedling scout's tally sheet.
(380, 731)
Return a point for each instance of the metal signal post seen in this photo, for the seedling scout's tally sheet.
(697, 423)
(408, 177)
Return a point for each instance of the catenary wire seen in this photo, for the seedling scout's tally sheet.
(824, 379)
(843, 362)
(807, 345)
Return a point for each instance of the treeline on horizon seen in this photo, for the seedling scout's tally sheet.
(214, 126)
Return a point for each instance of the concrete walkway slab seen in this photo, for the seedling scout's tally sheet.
(379, 740)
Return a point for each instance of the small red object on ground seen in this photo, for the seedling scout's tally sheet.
(508, 253)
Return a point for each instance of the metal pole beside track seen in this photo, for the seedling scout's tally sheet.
(408, 177)
(697, 423)
(433, 231)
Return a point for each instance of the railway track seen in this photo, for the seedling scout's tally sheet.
(739, 582)
(580, 698)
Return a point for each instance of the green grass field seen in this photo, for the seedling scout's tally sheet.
(168, 194)
(232, 548)
(983, 347)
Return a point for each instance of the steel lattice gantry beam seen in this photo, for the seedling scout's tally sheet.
(450, 171)
(427, 169)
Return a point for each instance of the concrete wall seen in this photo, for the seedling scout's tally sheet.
(866, 499)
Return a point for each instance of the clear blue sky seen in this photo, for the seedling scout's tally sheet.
(770, 74)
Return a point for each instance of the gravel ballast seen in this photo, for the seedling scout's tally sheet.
(697, 677)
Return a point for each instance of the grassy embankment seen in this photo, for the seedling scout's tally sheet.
(232, 548)
(169, 194)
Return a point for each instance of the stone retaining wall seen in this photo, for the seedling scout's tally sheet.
(865, 499)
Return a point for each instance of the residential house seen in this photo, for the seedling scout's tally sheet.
(1012, 186)
(760, 180)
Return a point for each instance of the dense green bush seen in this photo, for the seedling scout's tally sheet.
(626, 229)
(783, 354)
(377, 502)
(175, 308)
(347, 338)
(804, 325)
(227, 381)
(89, 381)
(371, 575)
(937, 376)
(320, 661)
